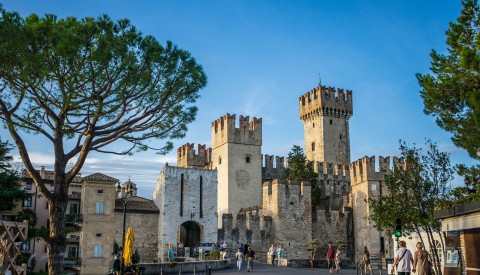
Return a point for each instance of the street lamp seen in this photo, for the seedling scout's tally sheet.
(128, 196)
(194, 210)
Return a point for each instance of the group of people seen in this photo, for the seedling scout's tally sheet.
(333, 258)
(118, 260)
(276, 252)
(421, 260)
(245, 252)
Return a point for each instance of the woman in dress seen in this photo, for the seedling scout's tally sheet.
(239, 258)
(422, 261)
(366, 260)
(338, 259)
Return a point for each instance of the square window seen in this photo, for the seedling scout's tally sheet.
(99, 191)
(98, 235)
(28, 186)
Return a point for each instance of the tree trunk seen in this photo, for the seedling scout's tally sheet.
(57, 241)
(431, 240)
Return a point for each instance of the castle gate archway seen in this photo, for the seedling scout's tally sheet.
(190, 233)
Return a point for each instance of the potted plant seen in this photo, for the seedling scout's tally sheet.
(312, 248)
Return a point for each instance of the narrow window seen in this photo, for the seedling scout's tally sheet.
(331, 122)
(97, 252)
(340, 137)
(99, 208)
(313, 146)
(181, 195)
(74, 208)
(313, 125)
(27, 202)
(247, 159)
(201, 197)
(219, 160)
(98, 235)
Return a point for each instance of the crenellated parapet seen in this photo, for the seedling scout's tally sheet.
(224, 131)
(271, 171)
(187, 157)
(365, 169)
(326, 101)
(334, 178)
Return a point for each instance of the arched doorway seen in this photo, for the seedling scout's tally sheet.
(189, 233)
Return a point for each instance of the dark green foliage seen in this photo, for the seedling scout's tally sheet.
(83, 85)
(10, 190)
(300, 169)
(451, 93)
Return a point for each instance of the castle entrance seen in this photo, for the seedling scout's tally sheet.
(189, 233)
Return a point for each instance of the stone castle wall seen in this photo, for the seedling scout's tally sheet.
(145, 230)
(199, 190)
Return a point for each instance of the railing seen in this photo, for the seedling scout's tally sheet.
(74, 218)
(73, 239)
(71, 262)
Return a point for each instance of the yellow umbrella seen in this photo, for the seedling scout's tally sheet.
(128, 248)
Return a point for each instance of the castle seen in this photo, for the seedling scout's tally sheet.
(249, 198)
(231, 193)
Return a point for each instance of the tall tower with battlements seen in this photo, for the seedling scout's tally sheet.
(236, 154)
(325, 112)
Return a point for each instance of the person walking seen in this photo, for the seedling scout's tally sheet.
(250, 258)
(239, 259)
(116, 264)
(403, 259)
(272, 252)
(366, 261)
(338, 259)
(422, 261)
(330, 257)
(279, 255)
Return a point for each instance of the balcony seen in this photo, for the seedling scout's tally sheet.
(72, 262)
(74, 219)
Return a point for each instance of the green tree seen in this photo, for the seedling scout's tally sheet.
(300, 169)
(11, 192)
(83, 85)
(413, 191)
(451, 93)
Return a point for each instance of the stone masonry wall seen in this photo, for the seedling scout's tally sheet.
(145, 230)
(175, 210)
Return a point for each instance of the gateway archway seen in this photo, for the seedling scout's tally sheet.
(190, 233)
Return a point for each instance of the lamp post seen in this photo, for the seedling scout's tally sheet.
(128, 196)
(192, 214)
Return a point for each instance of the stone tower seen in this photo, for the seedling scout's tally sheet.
(325, 112)
(237, 157)
(366, 183)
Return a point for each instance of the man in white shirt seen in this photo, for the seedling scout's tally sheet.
(403, 259)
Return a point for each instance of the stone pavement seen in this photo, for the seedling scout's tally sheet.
(262, 268)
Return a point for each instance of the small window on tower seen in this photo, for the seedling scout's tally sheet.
(340, 137)
(313, 146)
(331, 122)
(313, 125)
(219, 160)
(247, 159)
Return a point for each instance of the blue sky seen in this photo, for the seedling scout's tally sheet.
(260, 56)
